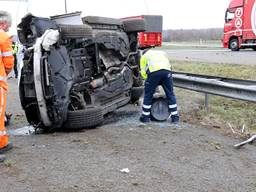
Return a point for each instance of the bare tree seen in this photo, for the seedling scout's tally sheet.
(192, 34)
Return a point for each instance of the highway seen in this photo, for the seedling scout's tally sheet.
(244, 57)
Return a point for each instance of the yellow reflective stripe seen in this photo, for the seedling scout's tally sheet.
(7, 53)
(3, 133)
(150, 64)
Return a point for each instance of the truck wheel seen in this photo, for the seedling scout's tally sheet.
(86, 118)
(74, 31)
(234, 45)
(134, 25)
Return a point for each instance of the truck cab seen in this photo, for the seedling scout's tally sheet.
(240, 25)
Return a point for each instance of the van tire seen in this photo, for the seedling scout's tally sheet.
(86, 118)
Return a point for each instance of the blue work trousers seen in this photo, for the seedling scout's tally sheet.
(163, 78)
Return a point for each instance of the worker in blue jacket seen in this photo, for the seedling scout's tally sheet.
(156, 70)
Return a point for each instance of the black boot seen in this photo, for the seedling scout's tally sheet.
(144, 119)
(2, 158)
(6, 148)
(175, 119)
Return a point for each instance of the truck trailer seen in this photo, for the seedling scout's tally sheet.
(152, 35)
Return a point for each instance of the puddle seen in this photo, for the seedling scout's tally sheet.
(28, 130)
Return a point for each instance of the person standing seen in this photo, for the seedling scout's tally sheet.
(156, 70)
(6, 65)
(15, 50)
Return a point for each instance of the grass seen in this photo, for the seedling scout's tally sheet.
(224, 70)
(8, 163)
(222, 112)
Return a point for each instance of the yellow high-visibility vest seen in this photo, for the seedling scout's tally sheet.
(153, 60)
(15, 47)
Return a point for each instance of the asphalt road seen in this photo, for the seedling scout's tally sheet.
(243, 57)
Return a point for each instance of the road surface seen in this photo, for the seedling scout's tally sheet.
(243, 57)
(157, 157)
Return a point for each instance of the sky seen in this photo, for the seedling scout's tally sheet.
(180, 14)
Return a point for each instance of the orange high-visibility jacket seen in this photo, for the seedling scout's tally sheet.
(6, 58)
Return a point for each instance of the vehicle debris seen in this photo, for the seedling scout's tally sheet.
(125, 170)
(27, 130)
(251, 139)
(243, 128)
(230, 126)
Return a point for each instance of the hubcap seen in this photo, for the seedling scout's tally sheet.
(234, 45)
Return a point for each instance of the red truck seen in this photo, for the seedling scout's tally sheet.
(152, 36)
(240, 25)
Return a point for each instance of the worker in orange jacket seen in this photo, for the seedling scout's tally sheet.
(6, 65)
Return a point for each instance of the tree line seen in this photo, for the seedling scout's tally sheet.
(192, 34)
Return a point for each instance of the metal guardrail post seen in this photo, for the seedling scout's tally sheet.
(206, 101)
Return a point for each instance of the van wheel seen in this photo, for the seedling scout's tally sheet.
(233, 45)
(86, 118)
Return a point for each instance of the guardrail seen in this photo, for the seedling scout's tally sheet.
(227, 87)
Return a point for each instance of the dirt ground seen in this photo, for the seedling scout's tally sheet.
(157, 157)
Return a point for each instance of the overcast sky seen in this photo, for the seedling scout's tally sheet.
(180, 14)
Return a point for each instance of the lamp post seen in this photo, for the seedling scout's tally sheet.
(66, 9)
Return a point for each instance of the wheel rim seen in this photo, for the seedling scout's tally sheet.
(233, 44)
